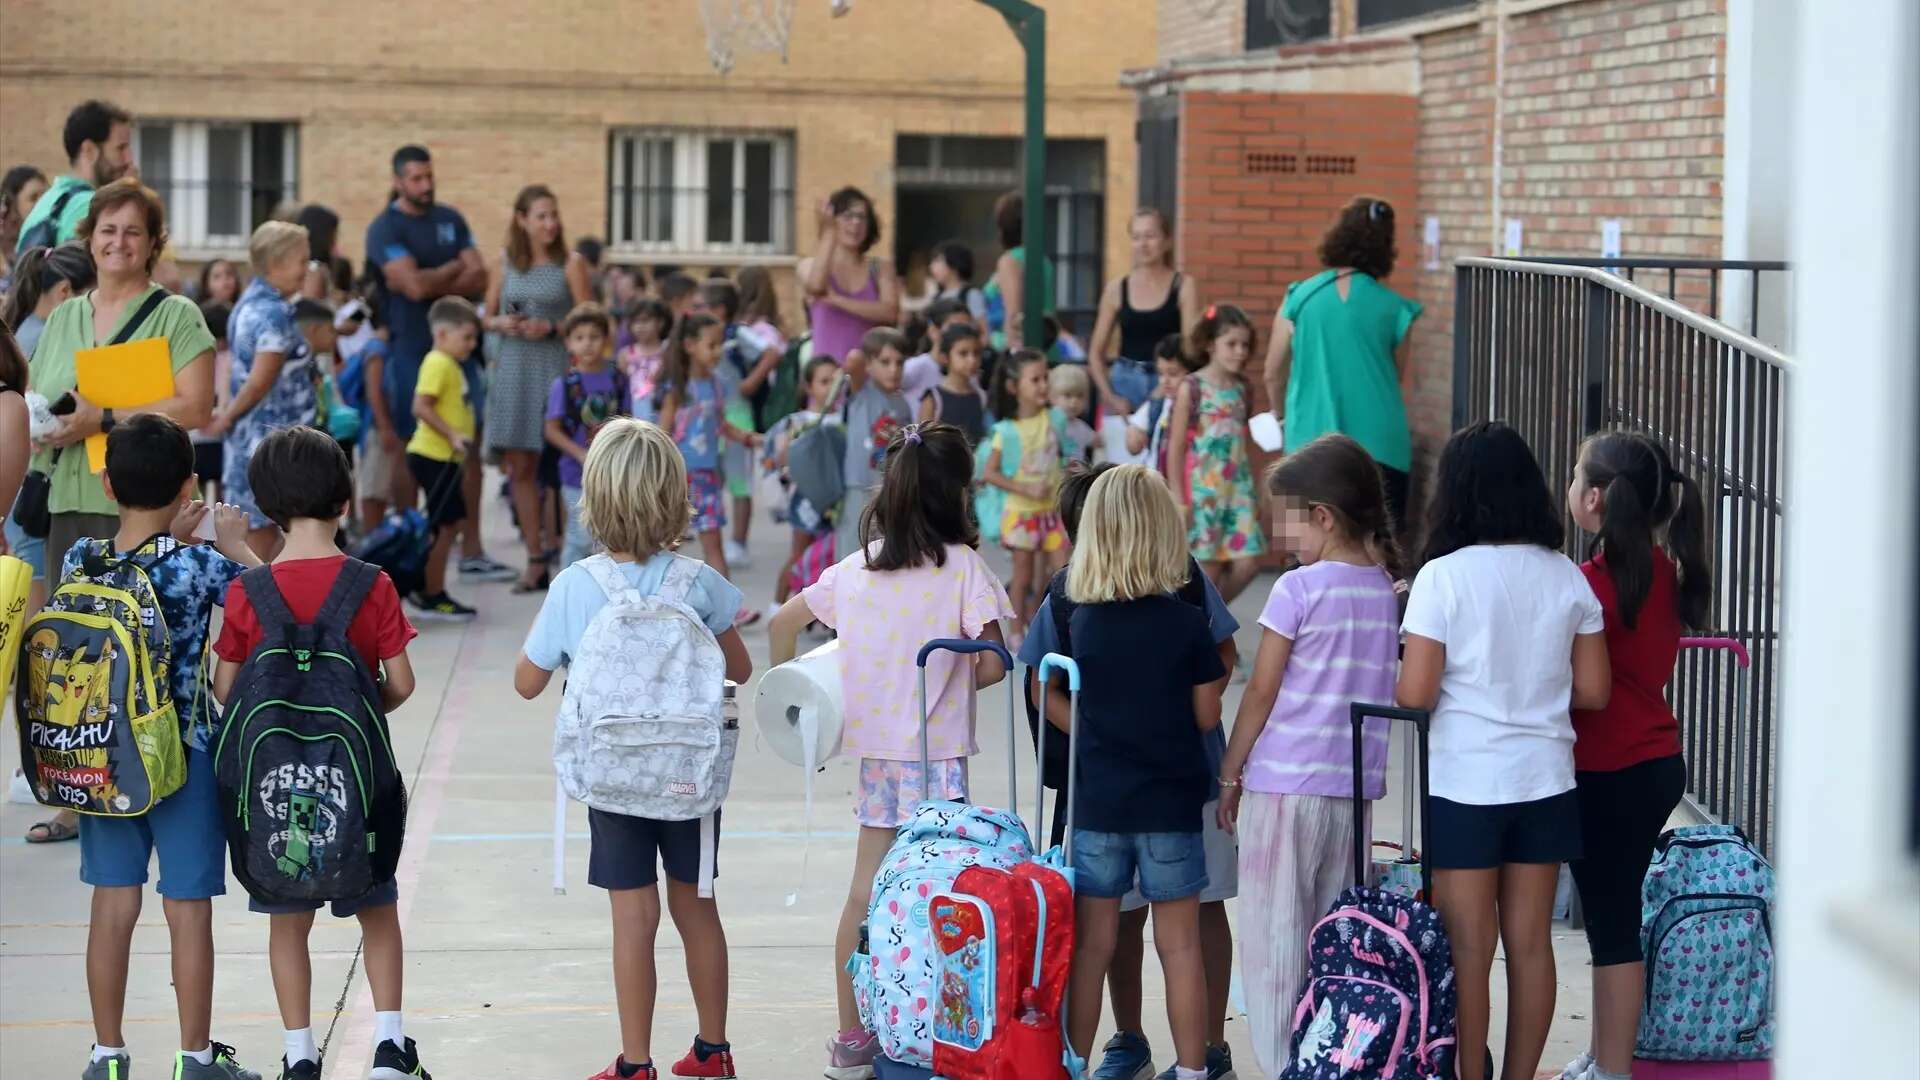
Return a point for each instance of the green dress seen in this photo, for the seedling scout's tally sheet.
(1226, 510)
(1343, 378)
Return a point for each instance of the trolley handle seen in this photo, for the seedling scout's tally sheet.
(1359, 713)
(969, 646)
(963, 645)
(1720, 644)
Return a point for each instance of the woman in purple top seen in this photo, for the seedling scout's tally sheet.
(848, 292)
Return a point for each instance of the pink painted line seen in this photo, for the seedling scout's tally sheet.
(352, 1055)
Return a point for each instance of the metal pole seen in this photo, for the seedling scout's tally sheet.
(1029, 25)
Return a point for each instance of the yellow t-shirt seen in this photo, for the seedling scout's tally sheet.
(1039, 460)
(442, 380)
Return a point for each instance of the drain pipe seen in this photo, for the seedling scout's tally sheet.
(1496, 228)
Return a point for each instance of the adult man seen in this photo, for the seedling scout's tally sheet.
(99, 144)
(424, 251)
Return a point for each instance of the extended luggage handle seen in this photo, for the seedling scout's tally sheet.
(967, 646)
(1065, 664)
(1360, 712)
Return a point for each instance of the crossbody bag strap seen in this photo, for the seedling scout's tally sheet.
(140, 314)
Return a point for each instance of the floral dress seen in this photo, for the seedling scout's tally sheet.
(698, 431)
(262, 322)
(1226, 511)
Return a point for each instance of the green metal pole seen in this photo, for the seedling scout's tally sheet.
(1029, 25)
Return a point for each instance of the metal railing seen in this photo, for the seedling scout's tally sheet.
(1562, 351)
(1734, 291)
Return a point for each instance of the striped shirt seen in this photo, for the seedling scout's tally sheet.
(1344, 622)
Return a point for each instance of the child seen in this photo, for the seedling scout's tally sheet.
(1328, 639)
(808, 522)
(679, 292)
(304, 485)
(633, 500)
(1147, 427)
(952, 270)
(1503, 634)
(957, 399)
(1068, 389)
(689, 400)
(441, 440)
(875, 411)
(209, 449)
(761, 340)
(1628, 772)
(915, 577)
(578, 406)
(1209, 461)
(150, 475)
(1127, 1053)
(1027, 458)
(1141, 751)
(920, 374)
(648, 324)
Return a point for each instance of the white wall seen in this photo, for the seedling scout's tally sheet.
(1756, 189)
(1849, 918)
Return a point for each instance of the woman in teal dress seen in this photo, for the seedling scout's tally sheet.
(1006, 290)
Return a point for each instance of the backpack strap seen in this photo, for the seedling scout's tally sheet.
(606, 574)
(678, 584)
(350, 589)
(1062, 610)
(1195, 590)
(263, 592)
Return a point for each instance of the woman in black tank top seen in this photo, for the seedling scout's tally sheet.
(1125, 379)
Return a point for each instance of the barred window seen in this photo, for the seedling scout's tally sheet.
(1372, 13)
(700, 193)
(218, 178)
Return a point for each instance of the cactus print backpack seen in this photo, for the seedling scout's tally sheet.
(1706, 929)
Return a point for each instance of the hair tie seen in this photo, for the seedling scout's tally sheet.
(1375, 207)
(1212, 311)
(912, 435)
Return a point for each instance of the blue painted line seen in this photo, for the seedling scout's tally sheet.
(494, 838)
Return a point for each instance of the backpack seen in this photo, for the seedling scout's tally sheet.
(99, 729)
(315, 806)
(642, 729)
(46, 232)
(1706, 929)
(816, 465)
(990, 502)
(783, 395)
(399, 546)
(1002, 946)
(576, 394)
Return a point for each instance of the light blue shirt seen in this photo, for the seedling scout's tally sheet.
(575, 598)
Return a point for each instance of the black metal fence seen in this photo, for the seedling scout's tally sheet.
(1561, 351)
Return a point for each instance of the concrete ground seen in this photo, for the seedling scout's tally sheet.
(505, 979)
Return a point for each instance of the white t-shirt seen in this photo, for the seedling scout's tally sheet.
(920, 374)
(1507, 615)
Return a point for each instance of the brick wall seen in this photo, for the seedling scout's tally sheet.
(1194, 29)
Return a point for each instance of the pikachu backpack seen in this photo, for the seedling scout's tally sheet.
(99, 732)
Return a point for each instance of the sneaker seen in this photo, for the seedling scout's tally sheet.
(738, 557)
(302, 1070)
(1579, 1067)
(442, 608)
(1125, 1057)
(850, 1055)
(1220, 1062)
(117, 1067)
(223, 1067)
(712, 1060)
(484, 568)
(392, 1062)
(612, 1072)
(1242, 669)
(746, 617)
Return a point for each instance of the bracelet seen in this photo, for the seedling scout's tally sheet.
(1224, 782)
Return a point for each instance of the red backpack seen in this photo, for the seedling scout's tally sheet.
(1002, 944)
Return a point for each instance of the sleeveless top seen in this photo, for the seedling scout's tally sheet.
(964, 410)
(837, 332)
(1141, 331)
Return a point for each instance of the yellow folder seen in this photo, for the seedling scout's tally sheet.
(127, 376)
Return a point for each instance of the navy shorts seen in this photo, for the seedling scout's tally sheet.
(385, 894)
(440, 482)
(185, 828)
(1167, 865)
(1470, 837)
(626, 850)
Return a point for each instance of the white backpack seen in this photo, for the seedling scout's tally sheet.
(642, 729)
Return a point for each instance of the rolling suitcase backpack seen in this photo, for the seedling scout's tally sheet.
(1380, 999)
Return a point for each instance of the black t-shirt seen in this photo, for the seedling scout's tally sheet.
(1143, 767)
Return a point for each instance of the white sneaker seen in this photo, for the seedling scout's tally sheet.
(19, 790)
(1578, 1068)
(738, 557)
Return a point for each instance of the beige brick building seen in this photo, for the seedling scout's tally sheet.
(613, 104)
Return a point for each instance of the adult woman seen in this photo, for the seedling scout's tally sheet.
(22, 187)
(535, 284)
(43, 279)
(329, 276)
(1129, 305)
(1337, 361)
(124, 230)
(274, 375)
(1006, 291)
(220, 283)
(848, 292)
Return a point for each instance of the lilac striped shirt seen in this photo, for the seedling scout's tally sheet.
(1344, 622)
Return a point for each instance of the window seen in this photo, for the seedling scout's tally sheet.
(705, 193)
(219, 179)
(1287, 22)
(1372, 13)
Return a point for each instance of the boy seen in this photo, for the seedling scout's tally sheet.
(952, 270)
(722, 301)
(635, 497)
(578, 406)
(874, 412)
(301, 480)
(442, 439)
(1147, 427)
(922, 373)
(150, 475)
(1068, 390)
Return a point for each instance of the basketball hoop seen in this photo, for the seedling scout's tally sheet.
(745, 26)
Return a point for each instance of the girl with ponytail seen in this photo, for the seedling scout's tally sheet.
(43, 279)
(1648, 567)
(1330, 635)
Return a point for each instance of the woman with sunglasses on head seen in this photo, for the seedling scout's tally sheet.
(1337, 361)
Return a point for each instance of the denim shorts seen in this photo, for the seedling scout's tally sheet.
(185, 828)
(1168, 865)
(30, 549)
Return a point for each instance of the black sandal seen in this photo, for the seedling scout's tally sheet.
(539, 584)
(51, 832)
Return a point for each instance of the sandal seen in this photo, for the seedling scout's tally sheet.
(51, 832)
(539, 584)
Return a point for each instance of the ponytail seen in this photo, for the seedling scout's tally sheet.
(1687, 541)
(1385, 549)
(1626, 536)
(676, 365)
(1645, 498)
(922, 504)
(27, 289)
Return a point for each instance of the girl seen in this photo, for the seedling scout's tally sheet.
(647, 325)
(916, 577)
(1208, 456)
(809, 524)
(219, 283)
(1628, 773)
(633, 501)
(43, 279)
(1503, 635)
(1027, 459)
(755, 346)
(688, 400)
(957, 398)
(1141, 740)
(1329, 638)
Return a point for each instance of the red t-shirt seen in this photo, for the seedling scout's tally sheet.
(379, 631)
(1637, 725)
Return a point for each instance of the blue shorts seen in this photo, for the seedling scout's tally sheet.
(384, 894)
(185, 828)
(1169, 865)
(30, 549)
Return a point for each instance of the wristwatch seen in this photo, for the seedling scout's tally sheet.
(106, 421)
